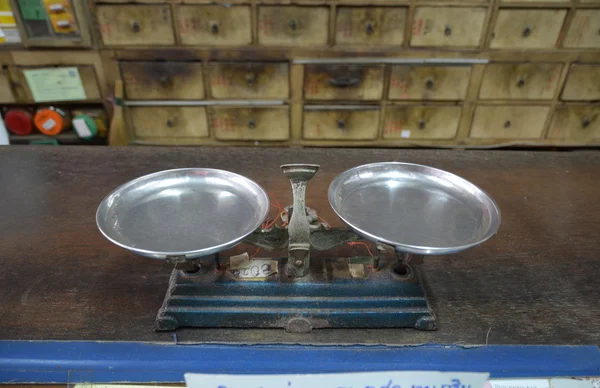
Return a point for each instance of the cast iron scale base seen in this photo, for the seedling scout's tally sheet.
(298, 293)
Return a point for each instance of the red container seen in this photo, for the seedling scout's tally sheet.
(18, 121)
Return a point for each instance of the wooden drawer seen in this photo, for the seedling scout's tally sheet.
(509, 122)
(343, 82)
(214, 25)
(429, 82)
(584, 29)
(285, 25)
(87, 74)
(583, 83)
(135, 25)
(249, 80)
(163, 80)
(527, 28)
(349, 123)
(251, 123)
(381, 26)
(525, 81)
(421, 122)
(173, 122)
(447, 26)
(6, 93)
(575, 123)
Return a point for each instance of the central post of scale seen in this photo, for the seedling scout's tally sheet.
(299, 227)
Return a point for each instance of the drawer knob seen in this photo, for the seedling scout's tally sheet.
(341, 124)
(344, 81)
(251, 124)
(585, 123)
(421, 124)
(292, 24)
(507, 124)
(135, 26)
(214, 27)
(429, 83)
(370, 28)
(250, 79)
(164, 81)
(526, 31)
(521, 82)
(170, 123)
(447, 31)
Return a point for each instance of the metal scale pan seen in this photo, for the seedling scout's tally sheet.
(185, 213)
(417, 209)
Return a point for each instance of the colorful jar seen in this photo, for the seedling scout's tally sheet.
(18, 121)
(51, 120)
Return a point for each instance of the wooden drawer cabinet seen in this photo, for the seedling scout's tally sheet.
(578, 124)
(350, 123)
(520, 81)
(250, 123)
(421, 122)
(527, 28)
(87, 74)
(343, 82)
(286, 25)
(447, 26)
(429, 82)
(584, 30)
(214, 25)
(509, 122)
(135, 25)
(582, 84)
(249, 80)
(172, 122)
(381, 26)
(163, 80)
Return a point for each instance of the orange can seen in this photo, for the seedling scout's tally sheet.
(52, 120)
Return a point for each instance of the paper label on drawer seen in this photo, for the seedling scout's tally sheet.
(55, 84)
(341, 380)
(405, 134)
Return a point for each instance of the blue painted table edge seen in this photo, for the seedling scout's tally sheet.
(141, 362)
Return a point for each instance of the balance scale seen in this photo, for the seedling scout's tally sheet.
(188, 216)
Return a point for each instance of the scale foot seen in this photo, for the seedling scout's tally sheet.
(165, 324)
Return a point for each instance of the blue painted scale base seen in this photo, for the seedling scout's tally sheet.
(328, 297)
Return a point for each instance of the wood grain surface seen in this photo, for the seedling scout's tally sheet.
(536, 282)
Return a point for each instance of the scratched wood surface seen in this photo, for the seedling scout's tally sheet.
(536, 282)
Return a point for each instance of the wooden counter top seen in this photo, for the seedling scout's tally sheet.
(536, 282)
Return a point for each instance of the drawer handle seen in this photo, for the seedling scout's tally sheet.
(585, 123)
(251, 124)
(170, 123)
(344, 81)
(135, 26)
(526, 31)
(521, 82)
(448, 31)
(164, 81)
(341, 124)
(429, 83)
(250, 79)
(214, 27)
(421, 124)
(507, 124)
(292, 24)
(370, 28)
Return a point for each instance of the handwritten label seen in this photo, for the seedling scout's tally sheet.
(341, 380)
(244, 268)
(405, 133)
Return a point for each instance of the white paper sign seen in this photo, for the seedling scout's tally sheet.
(519, 383)
(341, 380)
